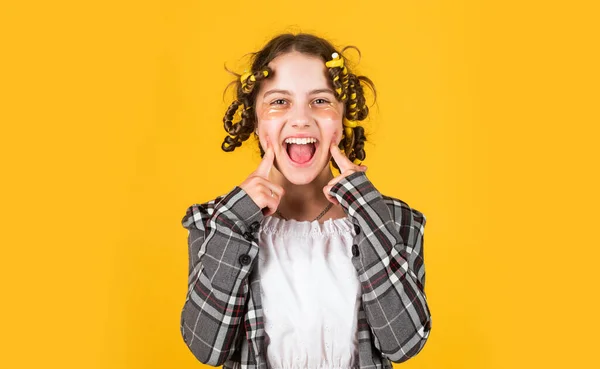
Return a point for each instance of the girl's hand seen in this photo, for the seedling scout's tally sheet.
(346, 168)
(263, 192)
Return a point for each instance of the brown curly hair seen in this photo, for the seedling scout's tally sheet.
(349, 84)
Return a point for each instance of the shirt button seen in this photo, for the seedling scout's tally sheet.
(355, 250)
(249, 236)
(357, 229)
(254, 226)
(245, 259)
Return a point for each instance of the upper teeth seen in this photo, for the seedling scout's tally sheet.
(300, 141)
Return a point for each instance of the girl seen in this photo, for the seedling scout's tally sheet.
(295, 268)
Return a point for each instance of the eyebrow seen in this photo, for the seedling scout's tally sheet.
(286, 92)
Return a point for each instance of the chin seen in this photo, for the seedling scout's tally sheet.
(300, 178)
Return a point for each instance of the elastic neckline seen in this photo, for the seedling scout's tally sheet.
(280, 226)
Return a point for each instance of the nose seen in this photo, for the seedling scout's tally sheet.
(301, 116)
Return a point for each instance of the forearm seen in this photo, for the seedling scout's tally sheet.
(222, 252)
(210, 320)
(393, 296)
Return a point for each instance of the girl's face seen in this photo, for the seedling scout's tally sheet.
(298, 111)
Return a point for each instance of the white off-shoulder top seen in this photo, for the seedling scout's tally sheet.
(310, 293)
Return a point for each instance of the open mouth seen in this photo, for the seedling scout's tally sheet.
(301, 151)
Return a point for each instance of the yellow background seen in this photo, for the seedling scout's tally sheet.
(112, 123)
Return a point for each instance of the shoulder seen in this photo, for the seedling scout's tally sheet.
(357, 188)
(197, 214)
(407, 218)
(233, 210)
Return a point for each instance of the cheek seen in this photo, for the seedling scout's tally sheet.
(337, 138)
(332, 132)
(268, 128)
(331, 117)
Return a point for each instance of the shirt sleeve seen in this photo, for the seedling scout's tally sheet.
(389, 260)
(222, 249)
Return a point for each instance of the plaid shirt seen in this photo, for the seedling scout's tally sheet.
(222, 318)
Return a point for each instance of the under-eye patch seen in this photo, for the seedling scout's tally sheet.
(319, 108)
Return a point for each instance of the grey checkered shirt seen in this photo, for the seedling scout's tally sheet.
(222, 318)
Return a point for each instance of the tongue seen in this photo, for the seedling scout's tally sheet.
(301, 153)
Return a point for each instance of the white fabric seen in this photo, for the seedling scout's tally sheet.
(310, 293)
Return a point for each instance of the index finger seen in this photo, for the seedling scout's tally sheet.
(340, 159)
(264, 168)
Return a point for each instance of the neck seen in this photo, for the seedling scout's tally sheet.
(303, 202)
